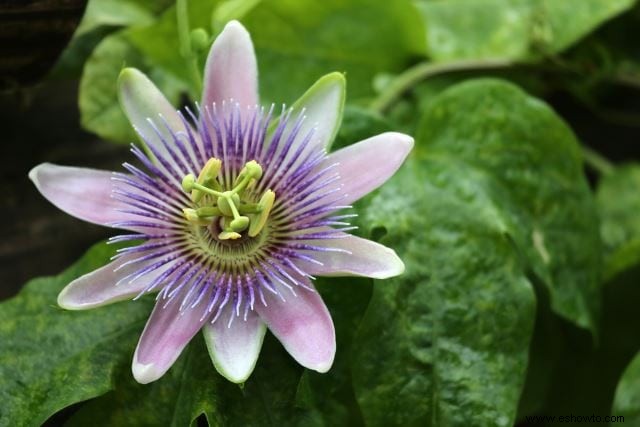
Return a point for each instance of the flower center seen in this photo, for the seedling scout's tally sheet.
(228, 211)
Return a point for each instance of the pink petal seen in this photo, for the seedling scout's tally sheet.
(102, 286)
(81, 192)
(355, 257)
(166, 334)
(142, 100)
(303, 325)
(231, 70)
(365, 166)
(234, 348)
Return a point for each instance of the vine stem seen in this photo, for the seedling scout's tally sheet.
(186, 50)
(424, 70)
(596, 161)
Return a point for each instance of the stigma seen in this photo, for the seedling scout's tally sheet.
(233, 211)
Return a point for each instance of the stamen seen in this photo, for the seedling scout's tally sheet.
(208, 177)
(236, 215)
(258, 221)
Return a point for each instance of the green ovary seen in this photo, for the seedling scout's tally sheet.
(234, 214)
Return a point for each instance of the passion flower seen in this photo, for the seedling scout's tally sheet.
(232, 211)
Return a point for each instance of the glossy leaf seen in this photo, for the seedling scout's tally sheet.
(488, 201)
(496, 128)
(329, 399)
(51, 358)
(455, 327)
(192, 388)
(66, 357)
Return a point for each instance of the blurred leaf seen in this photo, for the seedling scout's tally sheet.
(618, 198)
(119, 13)
(455, 327)
(159, 43)
(228, 10)
(511, 29)
(100, 110)
(495, 127)
(101, 18)
(358, 124)
(51, 358)
(627, 398)
(567, 374)
(154, 50)
(298, 41)
(583, 377)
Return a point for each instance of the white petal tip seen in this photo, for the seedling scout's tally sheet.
(236, 377)
(33, 174)
(235, 26)
(321, 367)
(394, 267)
(405, 141)
(67, 301)
(145, 374)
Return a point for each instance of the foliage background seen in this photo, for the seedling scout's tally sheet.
(523, 264)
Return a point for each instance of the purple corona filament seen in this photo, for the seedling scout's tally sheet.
(198, 267)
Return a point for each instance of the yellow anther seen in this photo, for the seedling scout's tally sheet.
(229, 235)
(259, 220)
(187, 182)
(208, 177)
(253, 169)
(251, 172)
(192, 216)
(239, 224)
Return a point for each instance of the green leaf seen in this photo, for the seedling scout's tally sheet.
(192, 387)
(101, 18)
(275, 394)
(521, 29)
(229, 10)
(358, 124)
(569, 21)
(51, 358)
(496, 128)
(100, 110)
(154, 49)
(567, 373)
(330, 398)
(119, 13)
(298, 41)
(627, 398)
(618, 199)
(488, 204)
(455, 327)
